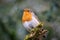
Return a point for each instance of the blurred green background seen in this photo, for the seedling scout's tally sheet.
(11, 28)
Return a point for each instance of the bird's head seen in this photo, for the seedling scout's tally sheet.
(27, 10)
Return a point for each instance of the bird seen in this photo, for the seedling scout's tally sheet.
(29, 19)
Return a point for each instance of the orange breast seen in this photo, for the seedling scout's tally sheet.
(27, 16)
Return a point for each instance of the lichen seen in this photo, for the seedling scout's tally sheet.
(36, 33)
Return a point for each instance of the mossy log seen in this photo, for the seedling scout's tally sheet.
(36, 33)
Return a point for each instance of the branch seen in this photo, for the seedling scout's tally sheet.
(36, 33)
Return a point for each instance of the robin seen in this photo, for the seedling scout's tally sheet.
(29, 19)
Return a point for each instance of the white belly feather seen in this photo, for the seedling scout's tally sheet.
(31, 24)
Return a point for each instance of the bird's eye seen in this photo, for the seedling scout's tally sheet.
(27, 10)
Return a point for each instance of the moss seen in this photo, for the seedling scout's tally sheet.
(36, 33)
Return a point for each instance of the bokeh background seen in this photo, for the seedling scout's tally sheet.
(11, 11)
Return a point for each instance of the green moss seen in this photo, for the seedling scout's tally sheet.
(35, 33)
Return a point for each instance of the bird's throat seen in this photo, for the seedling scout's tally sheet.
(27, 16)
